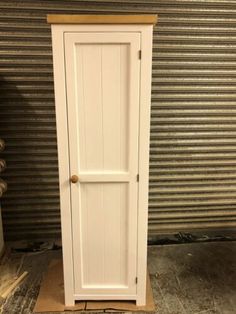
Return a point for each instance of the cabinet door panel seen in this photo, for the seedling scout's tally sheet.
(103, 112)
(102, 76)
(104, 210)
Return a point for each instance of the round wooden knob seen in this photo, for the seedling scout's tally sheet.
(74, 178)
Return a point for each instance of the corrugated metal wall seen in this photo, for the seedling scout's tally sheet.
(193, 131)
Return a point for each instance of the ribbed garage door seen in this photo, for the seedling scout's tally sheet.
(193, 128)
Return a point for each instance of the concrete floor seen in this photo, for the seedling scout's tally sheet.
(194, 278)
(197, 278)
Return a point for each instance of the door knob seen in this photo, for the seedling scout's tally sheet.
(74, 178)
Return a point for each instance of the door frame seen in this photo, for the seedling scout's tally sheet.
(58, 32)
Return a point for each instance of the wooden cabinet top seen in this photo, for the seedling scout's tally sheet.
(101, 19)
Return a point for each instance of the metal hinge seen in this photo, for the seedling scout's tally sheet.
(140, 54)
(136, 280)
(137, 177)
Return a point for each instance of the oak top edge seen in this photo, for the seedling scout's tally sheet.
(101, 19)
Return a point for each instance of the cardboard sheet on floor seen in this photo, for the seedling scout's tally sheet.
(51, 296)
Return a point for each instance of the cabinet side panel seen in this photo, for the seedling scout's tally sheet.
(63, 160)
(144, 134)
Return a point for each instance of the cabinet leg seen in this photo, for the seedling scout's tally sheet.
(141, 300)
(69, 300)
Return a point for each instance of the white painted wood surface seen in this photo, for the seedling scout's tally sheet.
(102, 92)
(102, 75)
(144, 135)
(63, 162)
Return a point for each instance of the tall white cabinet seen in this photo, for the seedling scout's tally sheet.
(102, 73)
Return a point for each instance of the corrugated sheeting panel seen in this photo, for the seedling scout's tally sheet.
(193, 128)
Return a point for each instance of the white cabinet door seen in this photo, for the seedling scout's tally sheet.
(102, 82)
